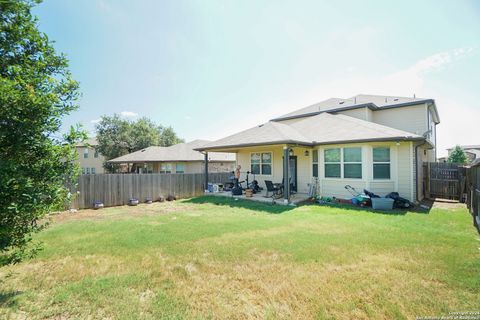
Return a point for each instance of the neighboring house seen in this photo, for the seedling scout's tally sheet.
(472, 152)
(91, 162)
(179, 158)
(369, 142)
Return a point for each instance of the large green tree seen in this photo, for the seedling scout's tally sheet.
(458, 155)
(117, 136)
(36, 161)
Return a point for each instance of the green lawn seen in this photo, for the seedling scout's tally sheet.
(212, 257)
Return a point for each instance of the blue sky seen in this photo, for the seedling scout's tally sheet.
(211, 68)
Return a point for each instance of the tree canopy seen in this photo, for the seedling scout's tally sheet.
(36, 92)
(458, 155)
(117, 136)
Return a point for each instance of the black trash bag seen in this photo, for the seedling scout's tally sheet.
(371, 194)
(399, 202)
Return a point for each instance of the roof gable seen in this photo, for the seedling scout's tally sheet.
(374, 102)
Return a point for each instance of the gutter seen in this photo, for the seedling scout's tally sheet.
(310, 144)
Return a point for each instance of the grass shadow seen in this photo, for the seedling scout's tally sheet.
(241, 203)
(7, 299)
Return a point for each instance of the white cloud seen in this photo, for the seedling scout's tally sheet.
(128, 114)
(95, 121)
(413, 76)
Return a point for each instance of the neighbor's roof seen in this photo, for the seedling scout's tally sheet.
(178, 152)
(466, 147)
(89, 142)
(324, 128)
(373, 102)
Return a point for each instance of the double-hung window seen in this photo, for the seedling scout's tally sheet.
(93, 171)
(261, 163)
(166, 168)
(95, 155)
(85, 153)
(343, 163)
(315, 163)
(352, 163)
(180, 168)
(333, 163)
(381, 163)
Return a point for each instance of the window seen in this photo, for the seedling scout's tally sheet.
(315, 163)
(85, 153)
(166, 168)
(95, 155)
(381, 163)
(92, 170)
(83, 170)
(261, 163)
(332, 163)
(352, 163)
(180, 168)
(88, 171)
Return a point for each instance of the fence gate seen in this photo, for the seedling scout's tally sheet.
(444, 180)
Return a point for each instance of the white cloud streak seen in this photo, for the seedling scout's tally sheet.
(128, 114)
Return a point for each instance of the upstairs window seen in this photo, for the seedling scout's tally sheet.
(95, 155)
(381, 163)
(85, 153)
(261, 163)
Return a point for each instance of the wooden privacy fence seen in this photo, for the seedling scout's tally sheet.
(444, 180)
(473, 193)
(117, 189)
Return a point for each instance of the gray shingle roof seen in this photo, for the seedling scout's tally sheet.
(178, 152)
(89, 142)
(324, 128)
(374, 102)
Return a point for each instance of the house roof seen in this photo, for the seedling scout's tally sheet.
(88, 142)
(466, 147)
(324, 128)
(178, 152)
(374, 102)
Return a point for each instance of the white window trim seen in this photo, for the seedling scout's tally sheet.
(166, 164)
(325, 162)
(342, 178)
(271, 164)
(176, 164)
(350, 162)
(389, 163)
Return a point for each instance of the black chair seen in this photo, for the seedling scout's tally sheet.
(277, 191)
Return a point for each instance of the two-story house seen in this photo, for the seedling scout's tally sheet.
(366, 141)
(91, 161)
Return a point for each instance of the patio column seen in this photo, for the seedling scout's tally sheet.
(206, 171)
(286, 180)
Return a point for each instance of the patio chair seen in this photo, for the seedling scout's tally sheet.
(276, 190)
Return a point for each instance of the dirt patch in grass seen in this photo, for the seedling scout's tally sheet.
(122, 212)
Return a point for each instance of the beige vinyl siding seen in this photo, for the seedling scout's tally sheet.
(91, 161)
(360, 113)
(400, 172)
(411, 119)
(405, 170)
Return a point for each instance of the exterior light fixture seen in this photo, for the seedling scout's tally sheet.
(290, 152)
(306, 153)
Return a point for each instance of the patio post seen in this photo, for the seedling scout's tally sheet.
(206, 171)
(286, 180)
